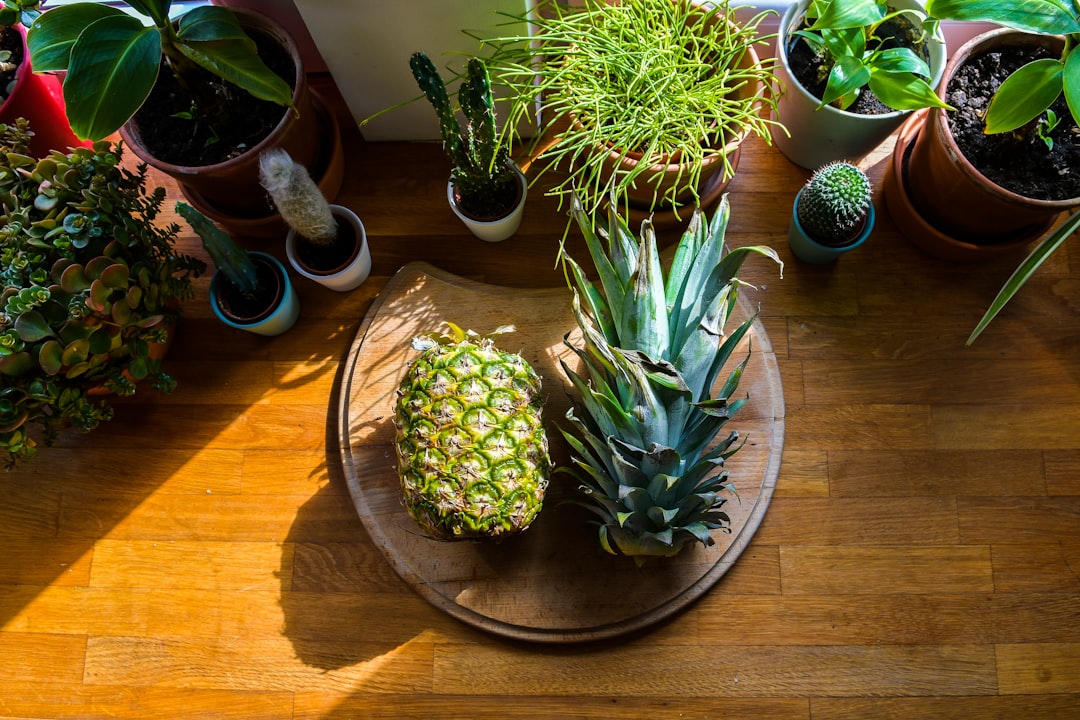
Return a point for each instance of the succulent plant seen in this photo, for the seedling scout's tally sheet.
(301, 203)
(834, 203)
(229, 258)
(482, 172)
(90, 284)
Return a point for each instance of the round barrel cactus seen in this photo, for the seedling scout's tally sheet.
(834, 203)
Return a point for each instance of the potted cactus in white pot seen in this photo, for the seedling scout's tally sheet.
(832, 214)
(250, 290)
(326, 243)
(486, 189)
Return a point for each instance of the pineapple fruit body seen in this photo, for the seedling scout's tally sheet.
(472, 451)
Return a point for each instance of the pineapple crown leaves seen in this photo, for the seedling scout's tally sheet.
(835, 201)
(296, 196)
(453, 334)
(644, 416)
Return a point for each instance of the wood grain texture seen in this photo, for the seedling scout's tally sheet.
(200, 555)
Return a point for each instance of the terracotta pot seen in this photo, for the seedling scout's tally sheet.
(920, 232)
(328, 173)
(39, 99)
(950, 193)
(233, 185)
(819, 136)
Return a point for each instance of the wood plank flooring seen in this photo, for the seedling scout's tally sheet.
(199, 556)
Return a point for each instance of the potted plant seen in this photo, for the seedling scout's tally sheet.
(326, 243)
(645, 101)
(91, 288)
(250, 289)
(646, 415)
(231, 84)
(486, 189)
(850, 72)
(993, 175)
(832, 214)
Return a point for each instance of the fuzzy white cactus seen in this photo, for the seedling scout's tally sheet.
(297, 197)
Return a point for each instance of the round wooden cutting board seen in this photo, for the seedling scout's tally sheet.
(552, 583)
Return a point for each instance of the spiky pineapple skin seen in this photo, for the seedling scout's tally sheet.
(472, 451)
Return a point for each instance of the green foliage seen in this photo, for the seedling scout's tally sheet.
(645, 418)
(89, 281)
(111, 59)
(19, 11)
(1028, 92)
(654, 78)
(834, 203)
(229, 258)
(482, 172)
(846, 32)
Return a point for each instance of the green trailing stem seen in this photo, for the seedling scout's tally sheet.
(834, 203)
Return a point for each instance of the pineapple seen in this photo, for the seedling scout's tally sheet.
(472, 450)
(643, 422)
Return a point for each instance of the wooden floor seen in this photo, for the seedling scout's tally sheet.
(200, 556)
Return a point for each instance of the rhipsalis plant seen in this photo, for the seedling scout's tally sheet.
(302, 205)
(482, 171)
(834, 203)
(1028, 92)
(646, 414)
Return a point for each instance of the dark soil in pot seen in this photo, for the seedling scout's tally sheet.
(248, 310)
(492, 206)
(1019, 161)
(329, 258)
(11, 43)
(812, 69)
(239, 122)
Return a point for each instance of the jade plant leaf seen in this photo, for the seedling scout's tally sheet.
(50, 357)
(32, 326)
(73, 279)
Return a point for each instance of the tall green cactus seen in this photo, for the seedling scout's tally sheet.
(482, 173)
(834, 203)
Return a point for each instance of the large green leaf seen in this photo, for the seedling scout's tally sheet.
(1025, 95)
(1071, 83)
(51, 36)
(158, 10)
(1047, 17)
(903, 91)
(849, 14)
(212, 39)
(114, 64)
(848, 75)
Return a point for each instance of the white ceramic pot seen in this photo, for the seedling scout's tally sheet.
(279, 320)
(809, 250)
(821, 136)
(341, 279)
(493, 230)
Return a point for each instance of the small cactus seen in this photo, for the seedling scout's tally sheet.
(834, 203)
(296, 196)
(231, 259)
(482, 173)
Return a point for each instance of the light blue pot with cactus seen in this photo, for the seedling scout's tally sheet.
(832, 214)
